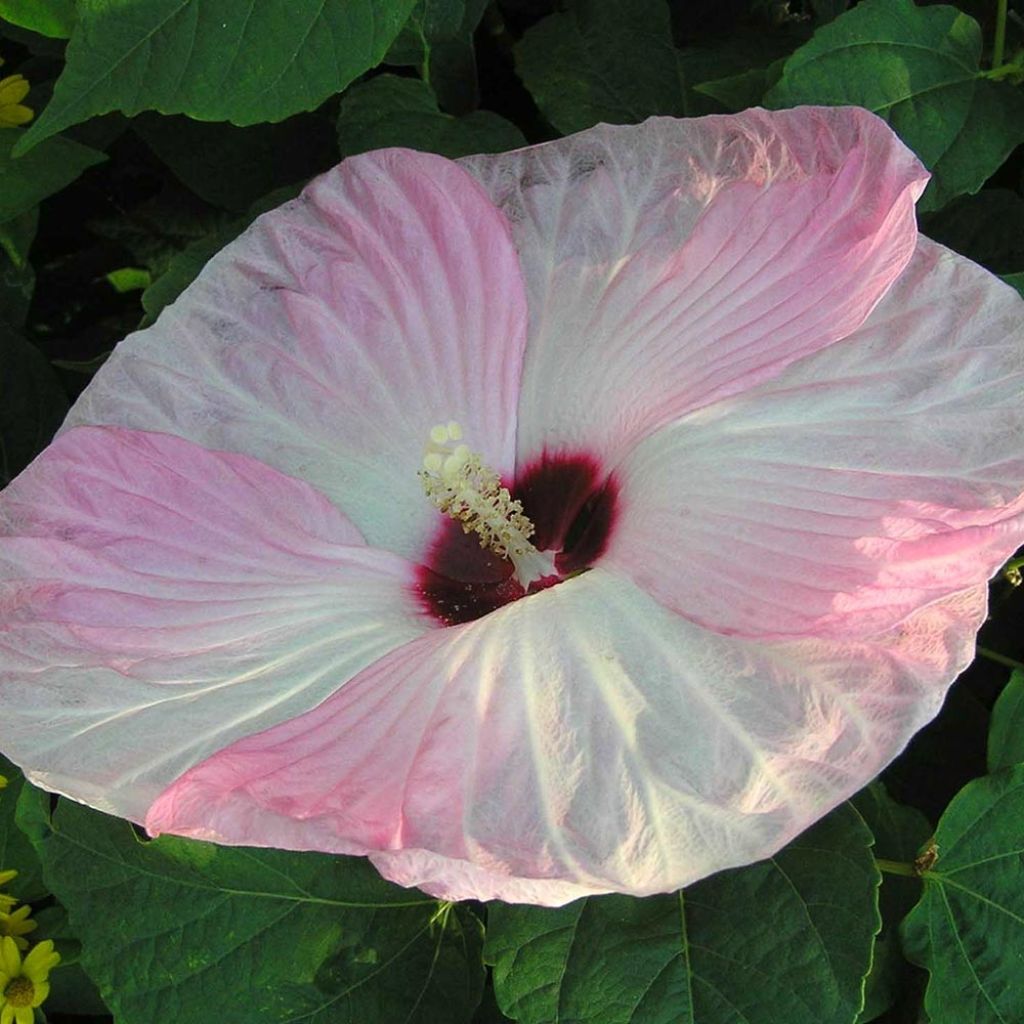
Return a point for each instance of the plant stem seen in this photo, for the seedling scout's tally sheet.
(896, 867)
(1000, 659)
(999, 43)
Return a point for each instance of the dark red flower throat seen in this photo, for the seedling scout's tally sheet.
(573, 509)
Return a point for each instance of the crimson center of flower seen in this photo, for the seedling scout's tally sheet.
(498, 543)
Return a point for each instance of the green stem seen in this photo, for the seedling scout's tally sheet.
(999, 43)
(1000, 659)
(896, 867)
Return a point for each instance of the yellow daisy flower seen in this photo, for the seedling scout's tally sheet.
(23, 984)
(13, 89)
(17, 924)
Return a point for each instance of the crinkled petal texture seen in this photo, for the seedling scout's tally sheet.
(680, 261)
(861, 484)
(331, 337)
(582, 740)
(160, 600)
(810, 420)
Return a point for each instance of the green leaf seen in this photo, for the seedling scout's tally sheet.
(1006, 733)
(785, 941)
(987, 228)
(233, 167)
(392, 111)
(899, 832)
(918, 67)
(54, 18)
(173, 928)
(747, 89)
(15, 850)
(243, 61)
(71, 989)
(26, 181)
(1015, 281)
(438, 41)
(602, 60)
(968, 928)
(183, 267)
(17, 276)
(32, 403)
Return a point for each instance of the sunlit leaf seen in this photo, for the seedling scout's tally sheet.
(243, 61)
(55, 18)
(918, 67)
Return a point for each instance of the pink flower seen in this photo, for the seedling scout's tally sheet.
(767, 437)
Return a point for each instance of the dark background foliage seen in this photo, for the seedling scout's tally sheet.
(162, 128)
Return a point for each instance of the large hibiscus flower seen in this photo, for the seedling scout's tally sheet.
(741, 447)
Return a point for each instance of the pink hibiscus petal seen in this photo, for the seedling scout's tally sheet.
(582, 740)
(674, 263)
(865, 482)
(160, 601)
(331, 337)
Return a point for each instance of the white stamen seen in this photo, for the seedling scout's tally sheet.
(459, 483)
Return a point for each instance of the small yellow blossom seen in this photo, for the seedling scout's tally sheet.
(23, 984)
(17, 924)
(13, 89)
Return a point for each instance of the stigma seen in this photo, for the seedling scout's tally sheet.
(461, 485)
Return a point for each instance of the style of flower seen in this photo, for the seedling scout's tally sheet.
(13, 89)
(23, 983)
(586, 518)
(17, 925)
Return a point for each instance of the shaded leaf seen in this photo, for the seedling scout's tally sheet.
(785, 941)
(918, 67)
(15, 850)
(438, 41)
(32, 403)
(173, 927)
(54, 18)
(900, 832)
(233, 167)
(243, 61)
(26, 181)
(71, 989)
(183, 267)
(1006, 733)
(17, 276)
(987, 228)
(393, 111)
(602, 60)
(968, 928)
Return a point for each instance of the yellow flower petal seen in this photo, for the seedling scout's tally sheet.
(39, 962)
(13, 89)
(7, 1014)
(24, 1015)
(42, 991)
(6, 876)
(11, 117)
(10, 958)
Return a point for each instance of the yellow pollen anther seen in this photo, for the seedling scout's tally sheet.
(461, 485)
